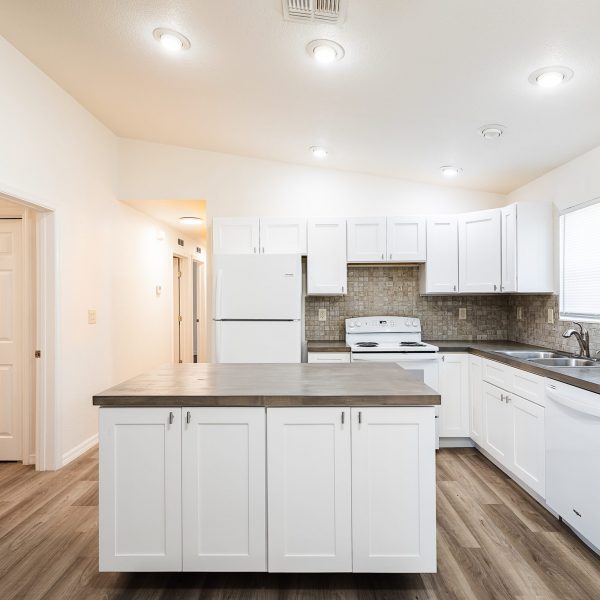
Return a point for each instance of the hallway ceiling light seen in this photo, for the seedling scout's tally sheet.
(325, 51)
(171, 40)
(319, 151)
(491, 132)
(550, 77)
(190, 220)
(450, 171)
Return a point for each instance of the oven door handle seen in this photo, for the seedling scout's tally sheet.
(431, 357)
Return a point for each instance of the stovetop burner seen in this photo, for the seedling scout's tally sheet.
(367, 344)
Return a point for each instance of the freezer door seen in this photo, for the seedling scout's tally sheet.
(262, 286)
(258, 341)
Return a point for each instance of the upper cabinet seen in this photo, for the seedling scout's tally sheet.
(479, 252)
(406, 239)
(391, 239)
(259, 236)
(326, 267)
(439, 275)
(509, 248)
(367, 239)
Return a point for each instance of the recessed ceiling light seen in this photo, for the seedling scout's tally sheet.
(171, 40)
(550, 77)
(319, 151)
(450, 171)
(190, 220)
(491, 132)
(325, 51)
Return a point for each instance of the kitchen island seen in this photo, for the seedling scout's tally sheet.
(268, 467)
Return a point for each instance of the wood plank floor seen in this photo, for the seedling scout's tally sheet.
(493, 542)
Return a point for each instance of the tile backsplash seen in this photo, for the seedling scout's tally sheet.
(394, 290)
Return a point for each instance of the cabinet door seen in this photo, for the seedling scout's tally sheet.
(454, 389)
(393, 490)
(528, 443)
(441, 268)
(406, 239)
(497, 435)
(366, 239)
(282, 236)
(327, 271)
(479, 251)
(223, 467)
(309, 495)
(140, 489)
(509, 248)
(476, 398)
(235, 235)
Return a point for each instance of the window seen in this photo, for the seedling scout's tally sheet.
(580, 262)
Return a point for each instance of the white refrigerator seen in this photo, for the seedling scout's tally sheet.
(257, 306)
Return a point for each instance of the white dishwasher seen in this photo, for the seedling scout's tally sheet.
(573, 457)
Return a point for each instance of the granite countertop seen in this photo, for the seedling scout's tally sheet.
(270, 385)
(327, 346)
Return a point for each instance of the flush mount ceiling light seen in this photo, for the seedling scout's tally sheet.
(450, 171)
(491, 132)
(550, 77)
(319, 151)
(171, 40)
(190, 220)
(325, 51)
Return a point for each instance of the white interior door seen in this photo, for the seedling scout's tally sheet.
(309, 491)
(11, 333)
(366, 239)
(224, 493)
(393, 490)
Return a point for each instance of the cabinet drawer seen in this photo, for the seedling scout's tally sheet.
(496, 373)
(329, 357)
(524, 384)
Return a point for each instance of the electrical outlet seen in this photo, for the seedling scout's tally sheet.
(462, 314)
(551, 316)
(91, 317)
(322, 314)
(519, 313)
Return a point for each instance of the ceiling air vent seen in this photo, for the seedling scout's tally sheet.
(321, 11)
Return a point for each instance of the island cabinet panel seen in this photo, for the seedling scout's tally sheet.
(393, 490)
(224, 495)
(140, 489)
(309, 489)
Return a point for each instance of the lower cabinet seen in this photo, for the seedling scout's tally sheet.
(496, 424)
(454, 389)
(476, 398)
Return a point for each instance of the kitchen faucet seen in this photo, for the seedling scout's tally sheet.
(583, 339)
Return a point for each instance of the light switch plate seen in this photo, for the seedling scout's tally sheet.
(551, 316)
(91, 317)
(322, 314)
(519, 313)
(462, 314)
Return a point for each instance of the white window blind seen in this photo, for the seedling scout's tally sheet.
(580, 263)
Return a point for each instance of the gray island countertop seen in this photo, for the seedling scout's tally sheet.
(206, 384)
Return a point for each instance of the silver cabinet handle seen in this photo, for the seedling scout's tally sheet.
(263, 250)
(188, 417)
(382, 256)
(343, 417)
(254, 250)
(495, 287)
(507, 399)
(359, 417)
(454, 288)
(390, 256)
(171, 418)
(501, 397)
(342, 289)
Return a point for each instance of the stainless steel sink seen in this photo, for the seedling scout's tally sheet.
(530, 354)
(565, 362)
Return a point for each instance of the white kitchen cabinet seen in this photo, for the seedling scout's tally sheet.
(479, 251)
(327, 271)
(454, 389)
(140, 489)
(496, 424)
(527, 459)
(282, 236)
(393, 495)
(329, 357)
(509, 248)
(236, 235)
(224, 489)
(476, 398)
(439, 275)
(366, 239)
(406, 239)
(309, 492)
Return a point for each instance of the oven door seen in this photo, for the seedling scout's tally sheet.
(426, 366)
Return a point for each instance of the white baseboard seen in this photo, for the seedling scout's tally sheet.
(456, 442)
(78, 450)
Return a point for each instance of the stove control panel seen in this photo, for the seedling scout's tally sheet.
(383, 325)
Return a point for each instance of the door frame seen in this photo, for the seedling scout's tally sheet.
(44, 336)
(186, 299)
(199, 267)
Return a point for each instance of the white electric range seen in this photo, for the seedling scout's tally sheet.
(397, 340)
